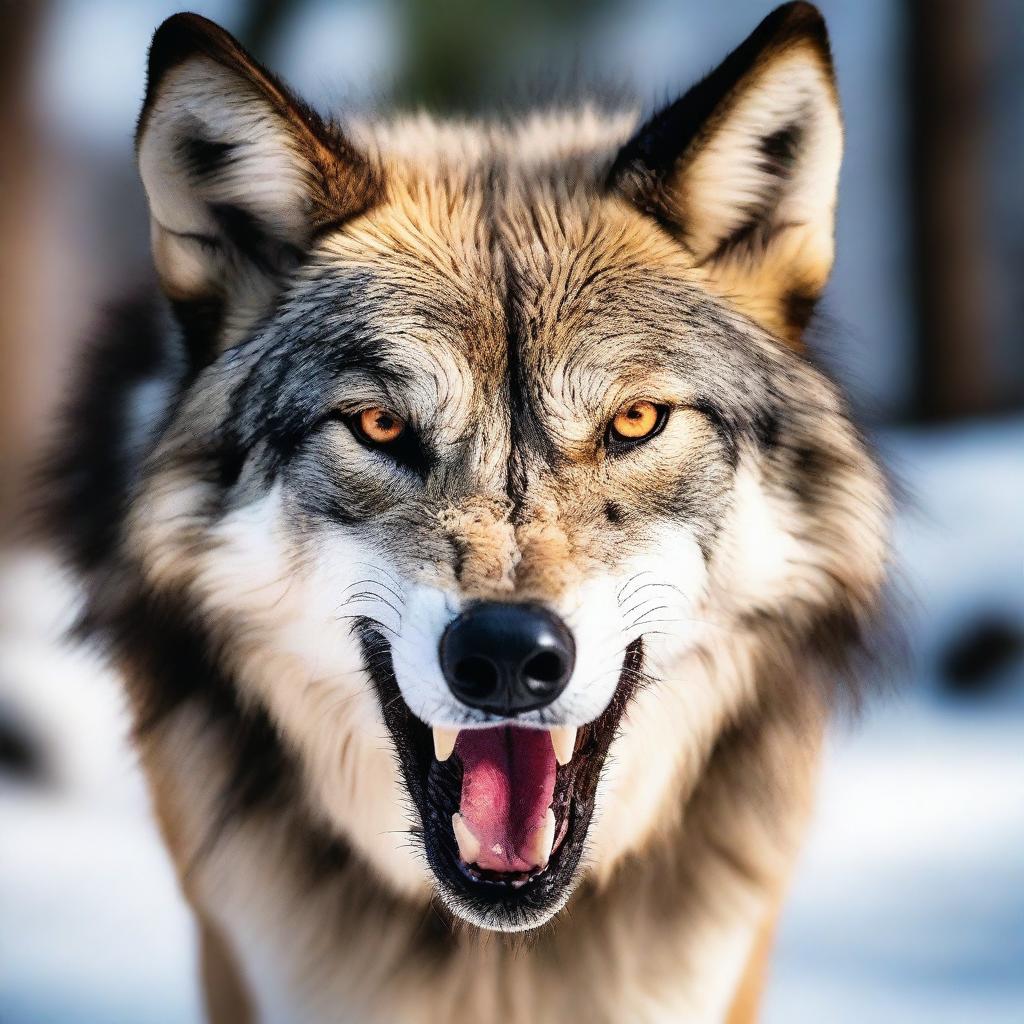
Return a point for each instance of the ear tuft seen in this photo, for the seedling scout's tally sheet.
(743, 169)
(240, 174)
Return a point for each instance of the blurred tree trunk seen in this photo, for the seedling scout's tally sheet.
(954, 317)
(20, 157)
(261, 24)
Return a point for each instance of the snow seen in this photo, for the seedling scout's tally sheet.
(909, 900)
(907, 905)
(92, 927)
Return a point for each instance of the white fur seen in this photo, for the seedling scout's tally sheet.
(296, 654)
(265, 173)
(265, 176)
(727, 172)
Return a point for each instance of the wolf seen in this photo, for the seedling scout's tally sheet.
(482, 551)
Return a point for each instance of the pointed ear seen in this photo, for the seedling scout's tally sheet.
(240, 175)
(743, 170)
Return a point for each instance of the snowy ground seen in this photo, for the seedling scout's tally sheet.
(908, 905)
(909, 902)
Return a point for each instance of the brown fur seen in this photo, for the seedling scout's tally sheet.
(745, 1006)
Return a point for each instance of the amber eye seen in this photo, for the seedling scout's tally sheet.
(379, 426)
(636, 422)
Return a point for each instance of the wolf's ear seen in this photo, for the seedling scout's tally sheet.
(743, 170)
(239, 175)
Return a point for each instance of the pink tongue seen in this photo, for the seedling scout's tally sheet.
(508, 780)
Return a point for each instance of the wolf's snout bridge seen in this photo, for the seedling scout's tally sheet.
(507, 659)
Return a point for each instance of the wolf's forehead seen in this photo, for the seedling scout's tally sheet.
(539, 268)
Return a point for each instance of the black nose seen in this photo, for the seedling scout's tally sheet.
(507, 658)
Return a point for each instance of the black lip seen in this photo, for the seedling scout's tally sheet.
(495, 901)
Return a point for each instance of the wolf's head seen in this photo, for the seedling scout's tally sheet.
(493, 477)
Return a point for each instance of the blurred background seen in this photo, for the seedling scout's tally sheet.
(908, 904)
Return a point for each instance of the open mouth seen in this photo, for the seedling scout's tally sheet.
(505, 809)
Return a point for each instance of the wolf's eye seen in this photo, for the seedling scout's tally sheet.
(382, 431)
(634, 423)
(378, 426)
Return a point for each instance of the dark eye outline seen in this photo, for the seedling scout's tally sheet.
(406, 450)
(371, 442)
(616, 444)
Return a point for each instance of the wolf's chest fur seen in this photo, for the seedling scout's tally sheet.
(481, 550)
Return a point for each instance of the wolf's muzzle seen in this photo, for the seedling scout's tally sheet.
(506, 658)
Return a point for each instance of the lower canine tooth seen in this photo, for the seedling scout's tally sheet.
(444, 742)
(469, 845)
(541, 841)
(563, 739)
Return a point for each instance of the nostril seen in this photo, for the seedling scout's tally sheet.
(548, 667)
(506, 658)
(477, 676)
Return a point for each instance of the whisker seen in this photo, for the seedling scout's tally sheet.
(631, 579)
(379, 568)
(368, 596)
(650, 611)
(661, 585)
(376, 583)
(376, 622)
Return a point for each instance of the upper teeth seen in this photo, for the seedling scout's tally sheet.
(444, 742)
(563, 740)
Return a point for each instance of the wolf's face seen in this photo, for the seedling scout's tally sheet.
(494, 471)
